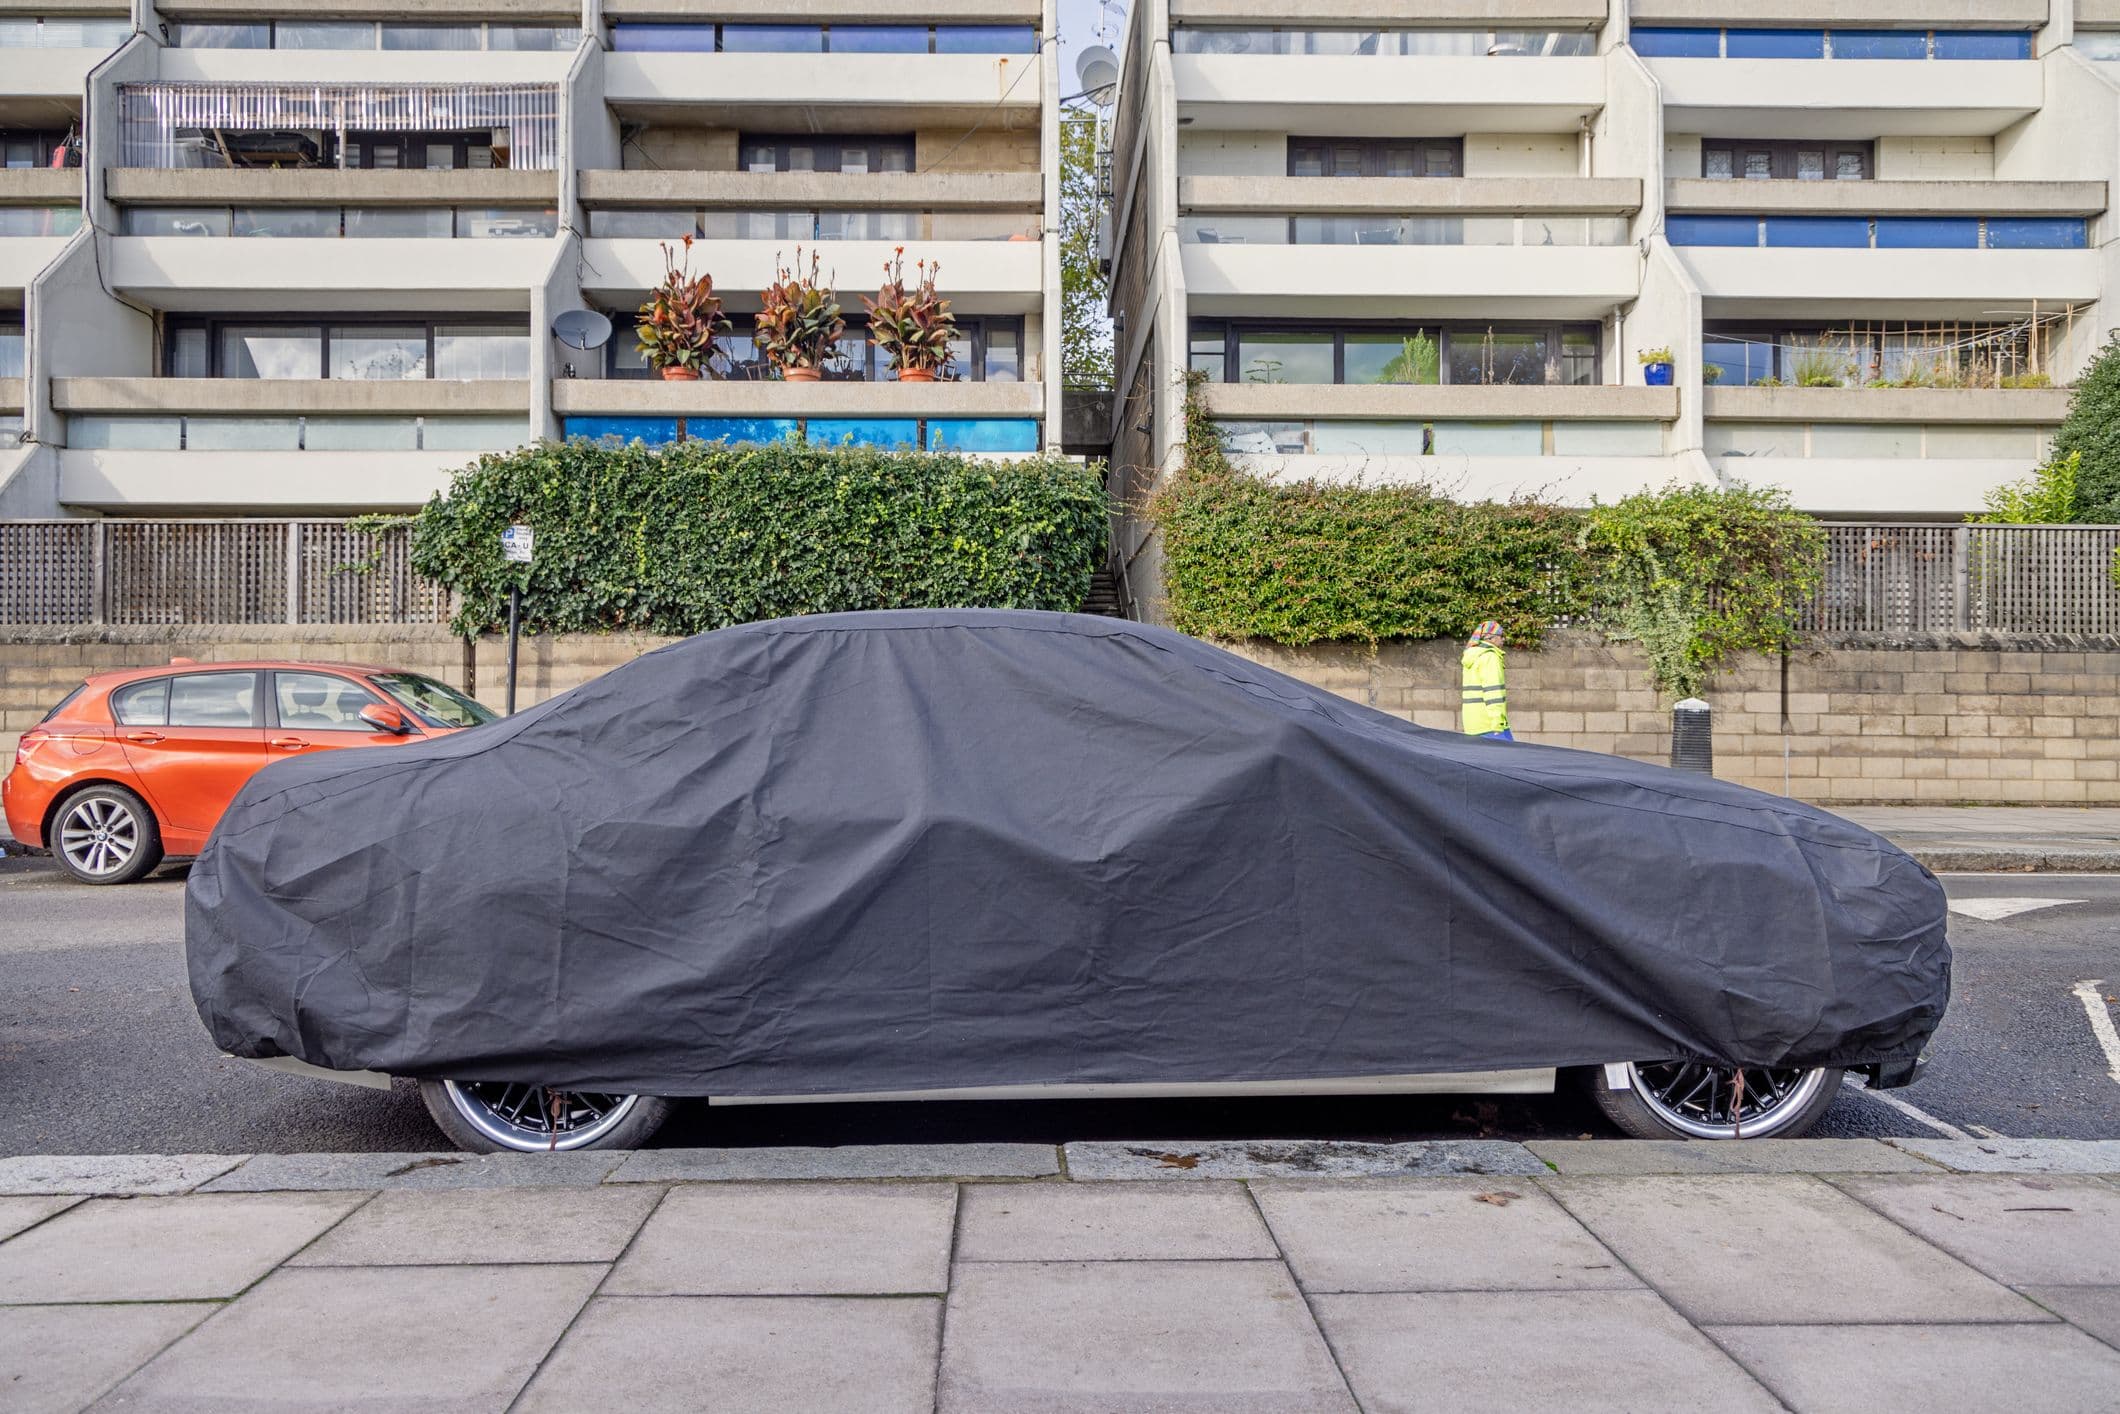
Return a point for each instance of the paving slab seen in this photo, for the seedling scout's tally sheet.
(1234, 1337)
(486, 1227)
(112, 1175)
(1774, 1248)
(1582, 1351)
(1651, 1156)
(2018, 1228)
(1297, 1158)
(1109, 1222)
(193, 1248)
(57, 1359)
(1924, 1369)
(886, 1161)
(2019, 1155)
(837, 1239)
(797, 1354)
(1434, 1235)
(18, 1214)
(273, 1173)
(442, 1339)
(2092, 1309)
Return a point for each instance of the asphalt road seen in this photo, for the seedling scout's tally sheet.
(101, 1052)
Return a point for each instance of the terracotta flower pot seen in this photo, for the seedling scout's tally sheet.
(916, 375)
(674, 374)
(802, 375)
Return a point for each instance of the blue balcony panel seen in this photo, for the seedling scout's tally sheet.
(982, 435)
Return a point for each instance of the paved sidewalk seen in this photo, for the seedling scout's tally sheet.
(1978, 838)
(1806, 1274)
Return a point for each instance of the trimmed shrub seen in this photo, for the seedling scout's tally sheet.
(2092, 428)
(699, 535)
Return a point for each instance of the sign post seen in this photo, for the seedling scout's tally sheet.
(518, 543)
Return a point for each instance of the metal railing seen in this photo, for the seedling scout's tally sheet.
(211, 572)
(1916, 578)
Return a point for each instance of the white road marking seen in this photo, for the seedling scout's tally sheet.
(1920, 1116)
(2093, 998)
(1994, 910)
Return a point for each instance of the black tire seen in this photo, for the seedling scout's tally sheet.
(105, 835)
(1651, 1106)
(477, 1118)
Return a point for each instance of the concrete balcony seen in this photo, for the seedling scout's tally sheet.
(253, 483)
(640, 397)
(264, 396)
(979, 277)
(40, 186)
(1265, 402)
(838, 191)
(2104, 14)
(209, 273)
(1846, 14)
(790, 12)
(327, 186)
(1745, 282)
(1987, 407)
(1370, 95)
(22, 259)
(1822, 98)
(362, 66)
(1940, 198)
(1436, 195)
(827, 92)
(1886, 488)
(1570, 480)
(56, 74)
(12, 394)
(1463, 14)
(1563, 282)
(521, 12)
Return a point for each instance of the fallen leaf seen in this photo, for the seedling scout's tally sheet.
(1179, 1161)
(1500, 1198)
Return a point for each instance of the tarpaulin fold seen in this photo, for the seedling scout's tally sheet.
(920, 850)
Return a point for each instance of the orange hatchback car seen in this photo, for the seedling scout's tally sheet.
(136, 766)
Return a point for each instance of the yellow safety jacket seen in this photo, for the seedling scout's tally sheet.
(1486, 700)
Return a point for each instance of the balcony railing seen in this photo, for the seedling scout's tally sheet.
(180, 124)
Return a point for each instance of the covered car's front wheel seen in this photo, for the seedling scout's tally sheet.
(1692, 1100)
(491, 1117)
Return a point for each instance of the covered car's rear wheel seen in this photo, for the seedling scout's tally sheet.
(105, 835)
(491, 1117)
(1690, 1100)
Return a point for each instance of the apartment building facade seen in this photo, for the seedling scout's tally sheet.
(1431, 240)
(267, 259)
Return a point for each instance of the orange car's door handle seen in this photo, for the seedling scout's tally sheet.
(287, 743)
(144, 738)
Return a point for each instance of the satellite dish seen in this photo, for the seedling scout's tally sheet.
(1098, 69)
(582, 329)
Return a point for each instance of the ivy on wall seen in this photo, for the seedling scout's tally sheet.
(698, 536)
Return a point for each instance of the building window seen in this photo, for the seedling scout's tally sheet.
(383, 348)
(827, 154)
(1665, 42)
(1881, 353)
(678, 38)
(1725, 160)
(988, 349)
(19, 33)
(1376, 157)
(1498, 353)
(1385, 43)
(338, 34)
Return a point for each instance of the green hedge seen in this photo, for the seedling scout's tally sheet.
(698, 536)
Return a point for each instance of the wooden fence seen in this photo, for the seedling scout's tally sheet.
(211, 572)
(1914, 578)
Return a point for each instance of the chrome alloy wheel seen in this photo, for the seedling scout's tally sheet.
(1704, 1100)
(98, 835)
(535, 1119)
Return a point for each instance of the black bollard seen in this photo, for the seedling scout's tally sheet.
(1692, 737)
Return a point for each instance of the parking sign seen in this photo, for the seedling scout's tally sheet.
(517, 542)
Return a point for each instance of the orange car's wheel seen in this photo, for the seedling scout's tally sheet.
(105, 835)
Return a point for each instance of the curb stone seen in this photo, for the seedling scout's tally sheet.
(2016, 861)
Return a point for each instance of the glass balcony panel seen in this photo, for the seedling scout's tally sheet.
(653, 431)
(879, 39)
(39, 220)
(885, 434)
(361, 434)
(1819, 232)
(986, 39)
(242, 434)
(1608, 439)
(1880, 44)
(2103, 46)
(1854, 439)
(1712, 230)
(20, 34)
(1443, 43)
(633, 38)
(982, 435)
(1285, 358)
(1223, 41)
(868, 225)
(267, 352)
(741, 431)
(532, 38)
(481, 351)
(772, 39)
(1234, 230)
(431, 37)
(1489, 439)
(984, 226)
(661, 224)
(398, 222)
(1501, 230)
(1543, 44)
(758, 225)
(223, 36)
(1986, 443)
(125, 434)
(1979, 44)
(2037, 233)
(1377, 439)
(375, 353)
(1928, 233)
(1775, 44)
(323, 34)
(1393, 358)
(1677, 43)
(298, 222)
(1285, 439)
(1754, 439)
(1366, 42)
(504, 222)
(13, 363)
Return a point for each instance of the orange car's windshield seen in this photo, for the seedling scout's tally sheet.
(435, 704)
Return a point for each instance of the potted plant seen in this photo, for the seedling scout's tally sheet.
(1657, 367)
(914, 326)
(680, 320)
(799, 322)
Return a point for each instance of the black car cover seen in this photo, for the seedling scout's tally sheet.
(915, 850)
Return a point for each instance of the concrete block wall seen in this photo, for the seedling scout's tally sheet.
(1954, 719)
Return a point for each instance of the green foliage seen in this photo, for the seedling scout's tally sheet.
(1819, 365)
(681, 318)
(799, 319)
(1085, 331)
(1419, 360)
(1698, 573)
(912, 324)
(2047, 497)
(1650, 356)
(701, 535)
(2092, 428)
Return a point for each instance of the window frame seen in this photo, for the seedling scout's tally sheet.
(1782, 154)
(1373, 151)
(1554, 331)
(212, 325)
(837, 143)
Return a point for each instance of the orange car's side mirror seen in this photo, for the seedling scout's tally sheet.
(387, 719)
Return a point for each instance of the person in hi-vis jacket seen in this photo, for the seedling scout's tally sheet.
(1486, 699)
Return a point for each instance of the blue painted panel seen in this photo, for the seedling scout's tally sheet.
(879, 39)
(890, 434)
(1677, 43)
(662, 39)
(1831, 232)
(740, 431)
(982, 435)
(1928, 233)
(986, 39)
(1880, 44)
(655, 431)
(1712, 230)
(772, 39)
(1982, 44)
(1776, 44)
(2036, 233)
